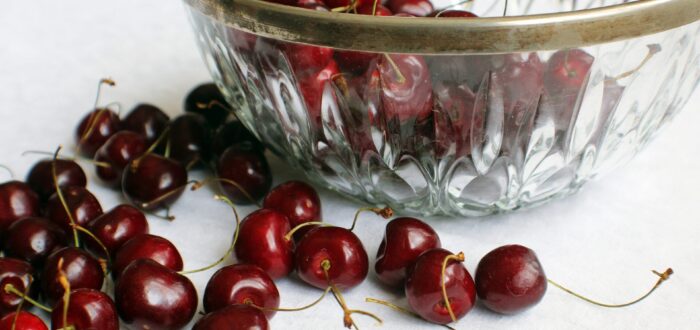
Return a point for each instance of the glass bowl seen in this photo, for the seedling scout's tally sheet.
(454, 116)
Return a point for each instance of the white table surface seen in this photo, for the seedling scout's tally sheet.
(603, 241)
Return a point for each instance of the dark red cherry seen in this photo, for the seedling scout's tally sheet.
(262, 242)
(354, 61)
(566, 70)
(406, 88)
(368, 8)
(313, 5)
(151, 296)
(18, 274)
(189, 138)
(17, 201)
(25, 321)
(117, 152)
(146, 246)
(81, 269)
(348, 259)
(305, 58)
(234, 317)
(246, 167)
(346, 3)
(33, 239)
(147, 120)
(404, 240)
(241, 284)
(94, 130)
(83, 205)
(116, 227)
(412, 7)
(424, 290)
(312, 86)
(510, 279)
(283, 2)
(153, 181)
(452, 14)
(233, 133)
(68, 174)
(87, 309)
(298, 201)
(207, 100)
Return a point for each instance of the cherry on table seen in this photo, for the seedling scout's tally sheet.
(207, 100)
(234, 317)
(83, 205)
(24, 321)
(68, 174)
(189, 139)
(233, 133)
(412, 7)
(117, 152)
(81, 269)
(116, 227)
(147, 246)
(262, 242)
(19, 275)
(94, 130)
(248, 169)
(147, 120)
(241, 284)
(33, 239)
(298, 201)
(87, 309)
(153, 181)
(17, 201)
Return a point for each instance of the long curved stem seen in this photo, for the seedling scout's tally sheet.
(9, 288)
(347, 313)
(400, 309)
(385, 212)
(200, 184)
(76, 240)
(458, 257)
(289, 235)
(9, 170)
(294, 309)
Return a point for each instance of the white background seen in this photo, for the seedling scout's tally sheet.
(603, 241)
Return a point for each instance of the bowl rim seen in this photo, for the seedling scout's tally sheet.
(424, 35)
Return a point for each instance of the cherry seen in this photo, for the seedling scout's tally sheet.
(151, 296)
(262, 242)
(404, 240)
(17, 201)
(87, 309)
(117, 152)
(146, 246)
(354, 61)
(23, 321)
(241, 284)
(33, 239)
(234, 317)
(406, 88)
(452, 14)
(81, 269)
(68, 174)
(232, 133)
(522, 82)
(207, 100)
(83, 205)
(147, 120)
(339, 247)
(244, 174)
(189, 139)
(369, 9)
(346, 3)
(305, 58)
(116, 227)
(94, 130)
(567, 70)
(283, 2)
(510, 279)
(312, 86)
(298, 201)
(17, 274)
(153, 181)
(412, 7)
(313, 5)
(425, 292)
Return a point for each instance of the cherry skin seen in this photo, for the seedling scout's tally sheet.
(348, 259)
(234, 317)
(68, 174)
(118, 151)
(154, 181)
(81, 269)
(116, 227)
(246, 167)
(233, 133)
(522, 82)
(147, 246)
(413, 7)
(25, 321)
(358, 62)
(510, 279)
(345, 3)
(566, 70)
(261, 242)
(313, 5)
(312, 85)
(189, 139)
(406, 94)
(83, 205)
(240, 284)
(453, 14)
(87, 309)
(380, 10)
(17, 201)
(147, 120)
(298, 201)
(404, 240)
(17, 273)
(151, 296)
(94, 130)
(33, 239)
(199, 100)
(424, 291)
(306, 58)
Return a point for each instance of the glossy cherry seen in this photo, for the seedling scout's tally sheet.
(116, 227)
(234, 317)
(261, 242)
(68, 174)
(313, 5)
(17, 201)
(117, 152)
(249, 170)
(153, 181)
(346, 3)
(312, 86)
(413, 7)
(404, 240)
(241, 284)
(406, 89)
(151, 296)
(147, 120)
(452, 13)
(358, 62)
(146, 246)
(233, 133)
(298, 201)
(567, 70)
(306, 58)
(82, 204)
(87, 309)
(33, 239)
(368, 9)
(18, 274)
(348, 259)
(510, 279)
(81, 269)
(94, 130)
(424, 290)
(25, 321)
(189, 138)
(199, 100)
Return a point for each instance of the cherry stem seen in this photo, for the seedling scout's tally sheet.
(161, 198)
(21, 302)
(289, 235)
(401, 78)
(103, 261)
(62, 199)
(9, 170)
(385, 212)
(63, 280)
(200, 184)
(91, 161)
(214, 103)
(295, 309)
(103, 81)
(458, 257)
(400, 309)
(662, 277)
(505, 8)
(652, 50)
(193, 162)
(347, 313)
(374, 7)
(233, 242)
(9, 288)
(95, 116)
